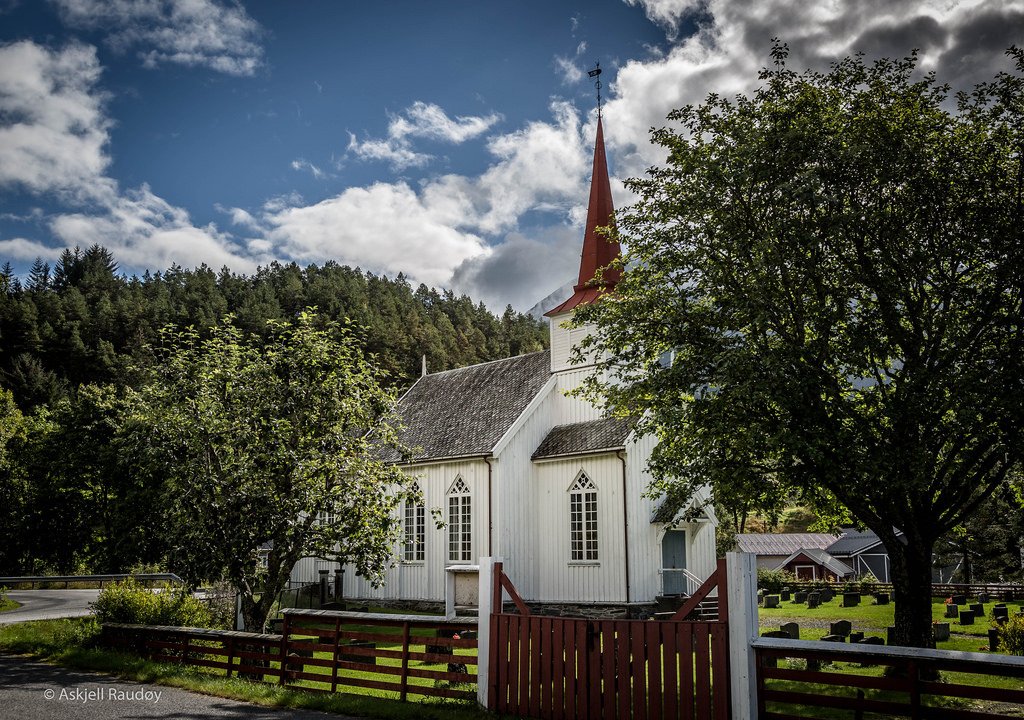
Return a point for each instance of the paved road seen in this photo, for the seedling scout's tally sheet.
(48, 604)
(37, 691)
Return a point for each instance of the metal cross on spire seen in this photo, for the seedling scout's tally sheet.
(596, 74)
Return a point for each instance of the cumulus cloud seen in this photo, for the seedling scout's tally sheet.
(384, 227)
(53, 130)
(521, 269)
(962, 41)
(420, 120)
(209, 33)
(53, 139)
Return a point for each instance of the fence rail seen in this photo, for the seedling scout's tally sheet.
(33, 580)
(1002, 591)
(326, 650)
(909, 689)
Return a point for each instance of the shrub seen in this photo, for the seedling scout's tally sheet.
(772, 581)
(129, 602)
(1011, 636)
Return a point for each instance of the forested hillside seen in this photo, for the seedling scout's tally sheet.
(81, 485)
(84, 322)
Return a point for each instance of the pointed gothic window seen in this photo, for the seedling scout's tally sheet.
(583, 518)
(415, 529)
(460, 525)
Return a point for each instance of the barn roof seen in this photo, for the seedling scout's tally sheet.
(465, 412)
(782, 543)
(584, 438)
(854, 542)
(821, 558)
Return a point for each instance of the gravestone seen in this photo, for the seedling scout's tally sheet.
(851, 599)
(833, 638)
(800, 597)
(780, 634)
(890, 635)
(343, 653)
(983, 598)
(840, 627)
(940, 632)
(760, 597)
(872, 640)
(771, 601)
(784, 595)
(881, 598)
(1000, 613)
(978, 609)
(952, 611)
(792, 629)
(993, 639)
(959, 599)
(826, 594)
(966, 617)
(812, 600)
(856, 637)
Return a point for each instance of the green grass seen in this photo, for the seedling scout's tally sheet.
(7, 604)
(873, 620)
(71, 643)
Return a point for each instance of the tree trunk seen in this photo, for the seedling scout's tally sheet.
(911, 567)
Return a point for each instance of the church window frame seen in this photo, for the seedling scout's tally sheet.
(583, 521)
(414, 525)
(460, 522)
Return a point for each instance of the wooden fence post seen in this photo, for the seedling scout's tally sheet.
(283, 652)
(741, 606)
(405, 661)
(485, 594)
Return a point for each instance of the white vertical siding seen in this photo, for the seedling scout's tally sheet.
(560, 579)
(563, 340)
(426, 580)
(518, 538)
(646, 537)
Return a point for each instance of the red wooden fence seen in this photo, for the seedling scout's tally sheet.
(326, 650)
(557, 667)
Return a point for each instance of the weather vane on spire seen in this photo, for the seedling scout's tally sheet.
(596, 74)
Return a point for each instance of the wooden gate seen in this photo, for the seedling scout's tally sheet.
(557, 667)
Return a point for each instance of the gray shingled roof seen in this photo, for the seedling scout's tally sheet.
(782, 543)
(584, 438)
(853, 542)
(466, 411)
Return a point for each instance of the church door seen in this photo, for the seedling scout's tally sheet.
(673, 562)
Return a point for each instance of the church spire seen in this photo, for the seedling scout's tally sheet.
(598, 252)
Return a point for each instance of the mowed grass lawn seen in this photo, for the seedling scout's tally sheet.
(873, 619)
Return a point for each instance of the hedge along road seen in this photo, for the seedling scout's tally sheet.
(37, 691)
(48, 605)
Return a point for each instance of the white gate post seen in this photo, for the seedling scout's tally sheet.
(483, 633)
(741, 569)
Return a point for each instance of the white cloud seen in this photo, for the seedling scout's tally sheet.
(568, 69)
(385, 228)
(24, 249)
(221, 36)
(667, 13)
(419, 120)
(53, 130)
(300, 164)
(145, 231)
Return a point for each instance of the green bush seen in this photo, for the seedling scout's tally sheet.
(772, 581)
(129, 602)
(1011, 636)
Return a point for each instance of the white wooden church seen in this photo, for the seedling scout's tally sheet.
(540, 480)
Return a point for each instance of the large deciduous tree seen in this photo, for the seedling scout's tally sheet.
(836, 262)
(271, 443)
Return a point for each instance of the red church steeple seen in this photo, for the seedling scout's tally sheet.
(598, 252)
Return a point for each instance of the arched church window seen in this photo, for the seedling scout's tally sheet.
(460, 525)
(583, 518)
(415, 528)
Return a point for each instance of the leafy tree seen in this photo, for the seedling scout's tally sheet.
(836, 261)
(260, 440)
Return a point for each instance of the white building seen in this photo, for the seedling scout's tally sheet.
(538, 479)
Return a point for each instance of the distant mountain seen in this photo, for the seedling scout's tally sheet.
(557, 297)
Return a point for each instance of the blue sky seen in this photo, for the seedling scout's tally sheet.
(450, 141)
